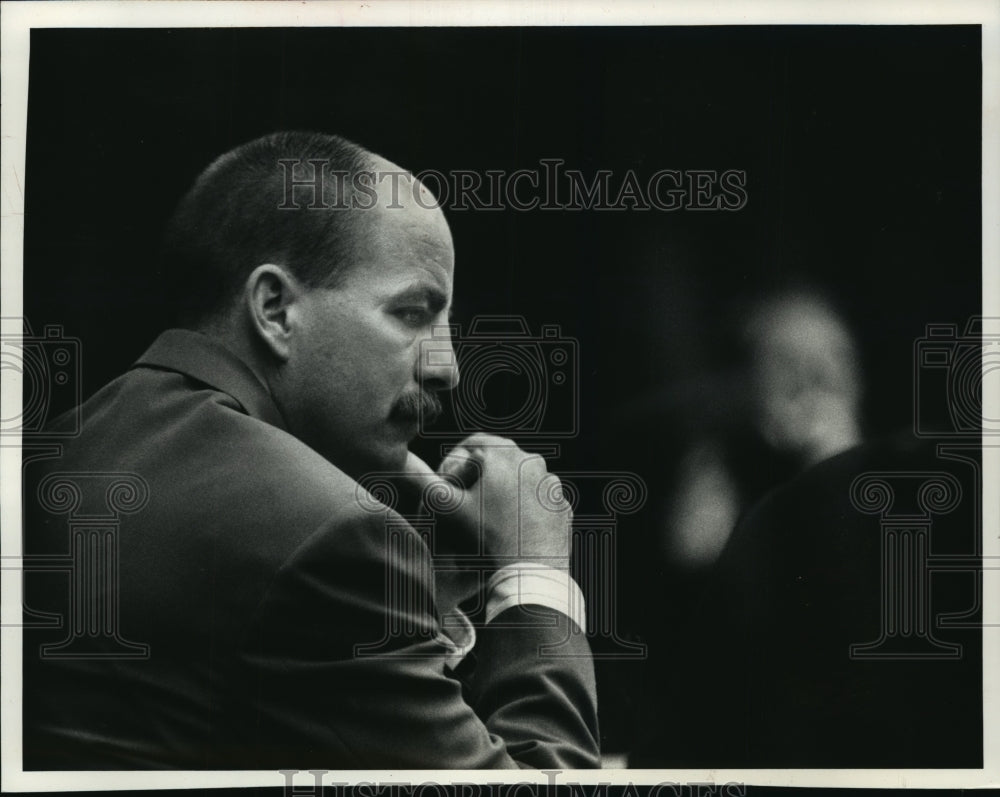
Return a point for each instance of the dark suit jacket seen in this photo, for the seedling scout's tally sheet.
(251, 571)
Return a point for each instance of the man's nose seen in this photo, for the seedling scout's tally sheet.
(437, 366)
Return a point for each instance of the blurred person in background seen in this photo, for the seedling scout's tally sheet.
(797, 388)
(780, 391)
(811, 633)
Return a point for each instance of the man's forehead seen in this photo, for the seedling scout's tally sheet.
(398, 240)
(403, 232)
(401, 224)
(403, 254)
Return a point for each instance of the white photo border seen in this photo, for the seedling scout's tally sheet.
(16, 21)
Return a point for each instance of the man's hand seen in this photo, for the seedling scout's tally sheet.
(524, 517)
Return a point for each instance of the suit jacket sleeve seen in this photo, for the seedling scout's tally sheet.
(344, 668)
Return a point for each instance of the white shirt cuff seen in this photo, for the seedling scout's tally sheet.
(524, 583)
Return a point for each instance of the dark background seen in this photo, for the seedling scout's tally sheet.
(861, 147)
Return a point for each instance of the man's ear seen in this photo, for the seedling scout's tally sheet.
(271, 294)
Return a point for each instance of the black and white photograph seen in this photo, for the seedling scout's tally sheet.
(400, 394)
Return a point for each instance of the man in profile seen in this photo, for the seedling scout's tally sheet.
(254, 569)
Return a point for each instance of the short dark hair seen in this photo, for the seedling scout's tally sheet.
(237, 216)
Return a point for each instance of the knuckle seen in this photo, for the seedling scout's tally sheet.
(536, 462)
(483, 439)
(551, 484)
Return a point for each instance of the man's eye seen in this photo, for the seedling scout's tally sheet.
(412, 315)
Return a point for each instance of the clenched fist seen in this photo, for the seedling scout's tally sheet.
(523, 516)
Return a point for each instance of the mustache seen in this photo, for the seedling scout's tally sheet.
(418, 405)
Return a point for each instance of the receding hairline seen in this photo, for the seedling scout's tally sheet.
(231, 219)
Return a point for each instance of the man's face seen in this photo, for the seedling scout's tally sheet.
(804, 379)
(354, 386)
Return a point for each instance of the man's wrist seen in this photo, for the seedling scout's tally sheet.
(533, 583)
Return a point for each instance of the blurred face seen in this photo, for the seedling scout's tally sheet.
(354, 387)
(804, 380)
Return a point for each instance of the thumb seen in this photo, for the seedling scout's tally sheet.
(417, 472)
(415, 467)
(418, 475)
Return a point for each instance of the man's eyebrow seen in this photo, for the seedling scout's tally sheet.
(436, 299)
